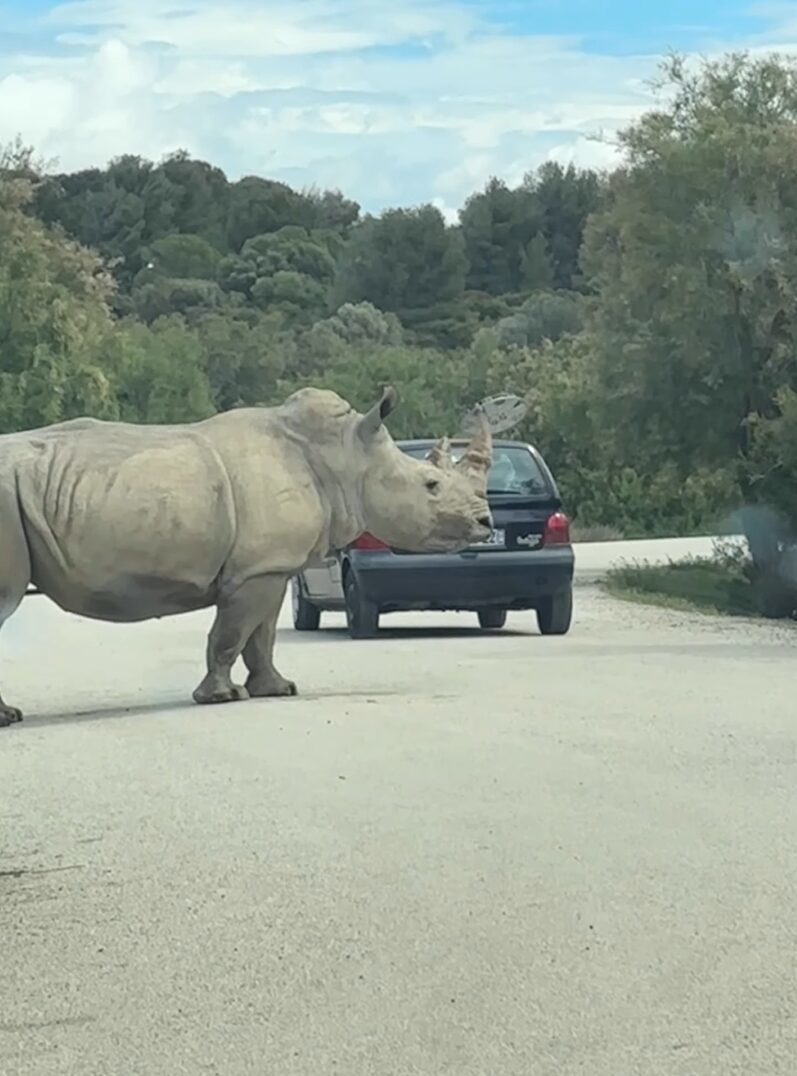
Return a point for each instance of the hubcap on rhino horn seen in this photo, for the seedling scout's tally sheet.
(502, 412)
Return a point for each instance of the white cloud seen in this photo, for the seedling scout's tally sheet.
(249, 28)
(395, 104)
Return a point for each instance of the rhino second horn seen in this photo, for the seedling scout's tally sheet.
(440, 455)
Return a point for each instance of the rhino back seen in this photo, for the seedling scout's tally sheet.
(123, 522)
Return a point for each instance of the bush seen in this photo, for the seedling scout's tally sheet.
(702, 583)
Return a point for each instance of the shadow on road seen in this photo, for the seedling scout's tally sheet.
(334, 634)
(188, 709)
(114, 710)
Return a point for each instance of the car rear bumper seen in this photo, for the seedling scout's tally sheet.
(512, 580)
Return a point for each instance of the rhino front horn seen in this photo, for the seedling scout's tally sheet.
(372, 420)
(477, 459)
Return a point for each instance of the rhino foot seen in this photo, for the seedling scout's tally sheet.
(214, 692)
(9, 715)
(272, 686)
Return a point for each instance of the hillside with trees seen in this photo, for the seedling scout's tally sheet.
(648, 316)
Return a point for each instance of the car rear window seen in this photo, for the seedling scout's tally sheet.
(514, 470)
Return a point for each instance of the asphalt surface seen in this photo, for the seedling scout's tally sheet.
(455, 853)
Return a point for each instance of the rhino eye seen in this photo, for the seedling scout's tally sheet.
(433, 485)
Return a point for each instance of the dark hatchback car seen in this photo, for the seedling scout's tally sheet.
(527, 563)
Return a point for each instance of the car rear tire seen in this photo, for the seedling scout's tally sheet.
(306, 616)
(555, 614)
(492, 619)
(362, 616)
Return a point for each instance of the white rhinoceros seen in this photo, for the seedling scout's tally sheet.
(123, 522)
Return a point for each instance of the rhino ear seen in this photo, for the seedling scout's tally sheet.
(440, 455)
(372, 420)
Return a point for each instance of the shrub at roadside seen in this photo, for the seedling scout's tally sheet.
(727, 582)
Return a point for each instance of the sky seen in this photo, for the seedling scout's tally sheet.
(393, 103)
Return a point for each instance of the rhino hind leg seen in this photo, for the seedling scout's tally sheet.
(264, 681)
(237, 618)
(14, 580)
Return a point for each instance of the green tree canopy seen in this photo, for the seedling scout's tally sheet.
(404, 259)
(54, 316)
(499, 226)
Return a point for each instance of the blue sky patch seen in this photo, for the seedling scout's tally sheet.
(394, 104)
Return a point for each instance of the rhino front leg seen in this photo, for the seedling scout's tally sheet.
(236, 618)
(264, 680)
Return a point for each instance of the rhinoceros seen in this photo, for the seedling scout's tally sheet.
(123, 522)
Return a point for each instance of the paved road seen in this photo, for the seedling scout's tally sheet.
(455, 854)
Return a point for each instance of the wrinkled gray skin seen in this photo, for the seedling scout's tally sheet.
(124, 523)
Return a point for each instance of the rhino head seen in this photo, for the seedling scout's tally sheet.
(423, 506)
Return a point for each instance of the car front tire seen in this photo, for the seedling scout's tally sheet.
(362, 616)
(555, 614)
(306, 616)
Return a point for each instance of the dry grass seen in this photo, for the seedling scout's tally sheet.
(713, 585)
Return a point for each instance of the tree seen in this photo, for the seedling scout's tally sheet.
(116, 211)
(288, 272)
(436, 388)
(200, 199)
(297, 298)
(565, 198)
(330, 210)
(54, 317)
(158, 373)
(694, 266)
(406, 262)
(354, 326)
(184, 256)
(166, 295)
(257, 206)
(243, 357)
(499, 226)
(536, 267)
(544, 316)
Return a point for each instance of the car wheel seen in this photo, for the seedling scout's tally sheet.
(362, 616)
(492, 618)
(306, 616)
(555, 614)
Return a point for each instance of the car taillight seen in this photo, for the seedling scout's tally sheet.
(367, 541)
(557, 530)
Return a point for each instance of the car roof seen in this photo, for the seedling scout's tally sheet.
(422, 442)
